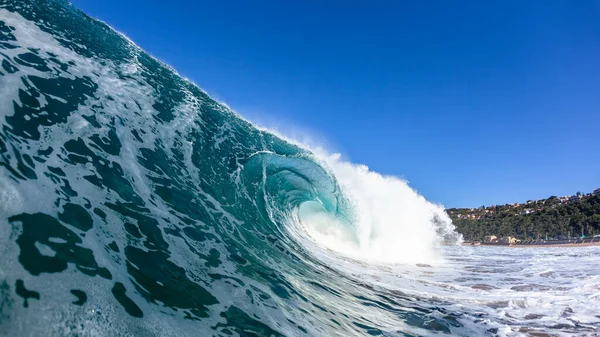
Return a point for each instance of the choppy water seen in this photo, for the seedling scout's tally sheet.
(131, 203)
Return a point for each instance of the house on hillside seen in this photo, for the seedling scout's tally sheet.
(596, 191)
(490, 238)
(575, 197)
(509, 240)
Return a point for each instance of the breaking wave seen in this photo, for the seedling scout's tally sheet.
(133, 203)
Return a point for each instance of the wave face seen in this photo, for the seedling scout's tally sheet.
(131, 203)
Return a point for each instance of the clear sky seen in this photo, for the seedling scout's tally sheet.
(472, 102)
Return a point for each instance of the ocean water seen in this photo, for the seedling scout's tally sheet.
(133, 204)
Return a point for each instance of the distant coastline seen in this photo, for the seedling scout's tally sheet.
(555, 219)
(540, 244)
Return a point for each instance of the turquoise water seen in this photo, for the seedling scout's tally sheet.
(132, 203)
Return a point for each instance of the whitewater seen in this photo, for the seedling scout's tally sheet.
(134, 204)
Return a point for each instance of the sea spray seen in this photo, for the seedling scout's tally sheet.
(388, 221)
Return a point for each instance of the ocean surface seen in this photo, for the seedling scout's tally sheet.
(134, 204)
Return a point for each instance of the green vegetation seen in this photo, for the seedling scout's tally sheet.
(553, 217)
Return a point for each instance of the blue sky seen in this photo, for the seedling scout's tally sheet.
(472, 102)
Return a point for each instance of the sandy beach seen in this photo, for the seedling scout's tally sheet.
(545, 245)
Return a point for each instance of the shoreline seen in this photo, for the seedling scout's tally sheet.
(546, 245)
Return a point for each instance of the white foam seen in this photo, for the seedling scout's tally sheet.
(11, 200)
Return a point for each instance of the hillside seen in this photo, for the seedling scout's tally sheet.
(571, 216)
